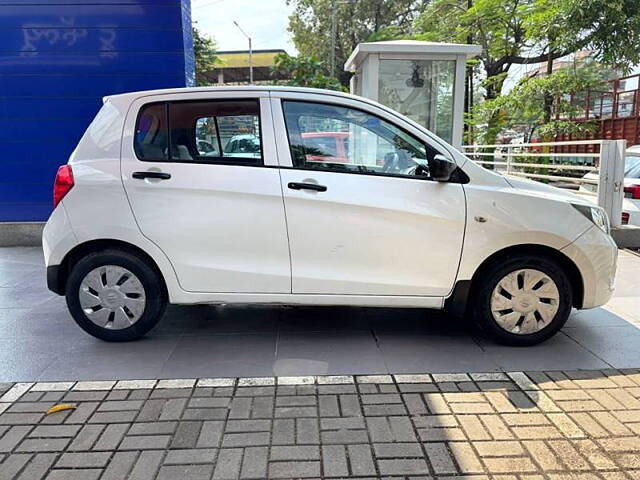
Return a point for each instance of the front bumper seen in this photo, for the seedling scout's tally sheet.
(596, 255)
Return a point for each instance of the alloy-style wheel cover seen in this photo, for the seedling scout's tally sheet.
(112, 297)
(525, 301)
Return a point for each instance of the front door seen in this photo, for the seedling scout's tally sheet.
(372, 222)
(201, 179)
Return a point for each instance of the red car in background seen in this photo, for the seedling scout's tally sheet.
(332, 145)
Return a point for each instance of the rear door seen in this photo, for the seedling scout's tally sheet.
(373, 223)
(218, 216)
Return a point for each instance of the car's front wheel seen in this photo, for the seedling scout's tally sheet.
(115, 295)
(523, 300)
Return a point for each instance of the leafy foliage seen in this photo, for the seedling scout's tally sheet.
(204, 49)
(519, 32)
(524, 104)
(356, 21)
(304, 72)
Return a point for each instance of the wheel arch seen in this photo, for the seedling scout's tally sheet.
(58, 280)
(461, 298)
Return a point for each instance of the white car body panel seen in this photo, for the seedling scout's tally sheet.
(404, 264)
(595, 256)
(228, 231)
(370, 234)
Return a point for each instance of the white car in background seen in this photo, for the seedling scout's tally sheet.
(631, 201)
(142, 218)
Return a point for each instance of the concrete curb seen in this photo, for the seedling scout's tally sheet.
(627, 236)
(23, 234)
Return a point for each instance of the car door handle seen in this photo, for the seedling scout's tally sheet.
(307, 186)
(158, 175)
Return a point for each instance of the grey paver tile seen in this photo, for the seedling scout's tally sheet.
(254, 463)
(83, 460)
(191, 472)
(294, 469)
(190, 456)
(79, 474)
(228, 464)
(361, 460)
(38, 467)
(120, 465)
(147, 465)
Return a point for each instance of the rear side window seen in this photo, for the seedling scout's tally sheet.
(151, 141)
(225, 132)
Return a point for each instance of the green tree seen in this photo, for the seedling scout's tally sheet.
(303, 72)
(204, 50)
(524, 104)
(518, 32)
(356, 21)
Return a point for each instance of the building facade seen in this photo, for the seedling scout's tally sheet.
(58, 58)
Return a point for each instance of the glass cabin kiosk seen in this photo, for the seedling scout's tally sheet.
(422, 80)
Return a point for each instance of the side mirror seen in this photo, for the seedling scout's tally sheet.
(441, 168)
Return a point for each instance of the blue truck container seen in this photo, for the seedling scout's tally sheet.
(58, 58)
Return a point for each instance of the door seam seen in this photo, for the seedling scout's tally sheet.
(284, 204)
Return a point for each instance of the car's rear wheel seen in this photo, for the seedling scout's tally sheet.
(115, 295)
(523, 300)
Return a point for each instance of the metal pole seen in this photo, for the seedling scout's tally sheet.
(250, 63)
(611, 179)
(250, 52)
(333, 38)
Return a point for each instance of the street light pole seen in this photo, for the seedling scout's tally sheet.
(332, 69)
(250, 52)
(334, 14)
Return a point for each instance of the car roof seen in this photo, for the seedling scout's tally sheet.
(634, 149)
(231, 88)
(244, 135)
(325, 134)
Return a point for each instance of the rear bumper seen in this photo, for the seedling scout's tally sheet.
(596, 256)
(55, 279)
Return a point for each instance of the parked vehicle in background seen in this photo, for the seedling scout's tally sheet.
(142, 218)
(207, 149)
(243, 146)
(631, 201)
(326, 146)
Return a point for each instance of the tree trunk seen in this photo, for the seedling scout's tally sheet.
(548, 99)
(468, 89)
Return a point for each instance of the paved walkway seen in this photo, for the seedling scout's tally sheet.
(580, 425)
(40, 342)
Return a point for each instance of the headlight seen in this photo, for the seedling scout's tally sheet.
(596, 214)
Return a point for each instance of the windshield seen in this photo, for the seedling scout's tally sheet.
(632, 166)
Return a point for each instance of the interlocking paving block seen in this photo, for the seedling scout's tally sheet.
(134, 384)
(513, 426)
(51, 387)
(101, 385)
(216, 382)
(15, 392)
(177, 383)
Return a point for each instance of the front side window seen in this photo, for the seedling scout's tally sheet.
(201, 132)
(337, 138)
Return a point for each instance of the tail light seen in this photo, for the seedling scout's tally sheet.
(625, 218)
(632, 191)
(63, 183)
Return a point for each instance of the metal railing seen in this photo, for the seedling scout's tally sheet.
(551, 163)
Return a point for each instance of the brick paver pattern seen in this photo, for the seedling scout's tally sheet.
(516, 426)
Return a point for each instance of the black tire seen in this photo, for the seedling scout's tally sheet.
(150, 278)
(496, 272)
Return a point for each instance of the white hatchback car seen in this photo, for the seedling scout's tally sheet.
(142, 218)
